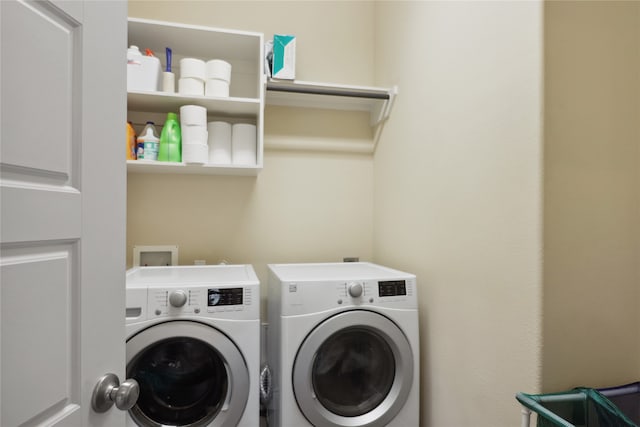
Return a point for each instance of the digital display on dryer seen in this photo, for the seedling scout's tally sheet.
(392, 288)
(226, 296)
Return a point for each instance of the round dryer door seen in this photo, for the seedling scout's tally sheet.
(353, 369)
(190, 374)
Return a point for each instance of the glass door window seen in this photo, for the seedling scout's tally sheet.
(182, 381)
(353, 371)
(190, 374)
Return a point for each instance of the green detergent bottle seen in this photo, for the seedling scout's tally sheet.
(170, 149)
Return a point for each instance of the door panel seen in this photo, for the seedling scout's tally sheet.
(39, 80)
(62, 190)
(29, 331)
(46, 212)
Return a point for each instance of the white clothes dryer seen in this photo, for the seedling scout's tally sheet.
(193, 345)
(343, 346)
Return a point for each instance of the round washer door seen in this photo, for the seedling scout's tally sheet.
(190, 374)
(353, 369)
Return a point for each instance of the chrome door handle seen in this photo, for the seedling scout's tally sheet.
(109, 391)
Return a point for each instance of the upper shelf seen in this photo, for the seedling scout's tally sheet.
(377, 101)
(195, 40)
(162, 101)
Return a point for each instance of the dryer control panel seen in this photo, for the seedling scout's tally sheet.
(300, 297)
(299, 289)
(392, 288)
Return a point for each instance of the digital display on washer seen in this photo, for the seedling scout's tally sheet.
(226, 296)
(392, 288)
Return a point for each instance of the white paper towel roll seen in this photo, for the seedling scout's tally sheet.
(215, 87)
(193, 115)
(194, 135)
(192, 68)
(190, 86)
(219, 142)
(195, 153)
(243, 144)
(218, 69)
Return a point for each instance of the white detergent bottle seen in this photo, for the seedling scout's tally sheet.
(148, 143)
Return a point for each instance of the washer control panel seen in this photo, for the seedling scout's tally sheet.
(225, 296)
(200, 301)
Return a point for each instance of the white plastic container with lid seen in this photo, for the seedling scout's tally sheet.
(143, 71)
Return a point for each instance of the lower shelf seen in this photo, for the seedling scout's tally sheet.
(142, 166)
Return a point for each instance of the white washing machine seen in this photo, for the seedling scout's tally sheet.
(193, 345)
(343, 346)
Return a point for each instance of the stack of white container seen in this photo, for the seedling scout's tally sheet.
(243, 144)
(212, 78)
(218, 74)
(192, 78)
(232, 144)
(219, 142)
(193, 124)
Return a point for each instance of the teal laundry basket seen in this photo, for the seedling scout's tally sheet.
(626, 398)
(585, 407)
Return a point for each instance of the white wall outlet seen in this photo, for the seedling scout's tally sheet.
(155, 255)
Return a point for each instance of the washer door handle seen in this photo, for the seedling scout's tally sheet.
(109, 391)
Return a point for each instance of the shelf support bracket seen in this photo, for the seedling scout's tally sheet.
(382, 111)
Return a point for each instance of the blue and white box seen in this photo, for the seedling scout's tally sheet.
(284, 57)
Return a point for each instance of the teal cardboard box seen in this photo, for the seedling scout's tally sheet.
(284, 57)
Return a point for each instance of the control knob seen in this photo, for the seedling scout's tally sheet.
(177, 298)
(355, 289)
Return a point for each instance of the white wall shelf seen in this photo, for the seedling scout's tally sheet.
(159, 102)
(243, 50)
(147, 166)
(296, 93)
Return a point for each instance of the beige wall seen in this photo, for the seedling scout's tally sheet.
(457, 197)
(329, 33)
(456, 189)
(592, 194)
(304, 206)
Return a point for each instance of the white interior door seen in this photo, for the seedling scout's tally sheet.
(62, 207)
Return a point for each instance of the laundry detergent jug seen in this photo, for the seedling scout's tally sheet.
(170, 140)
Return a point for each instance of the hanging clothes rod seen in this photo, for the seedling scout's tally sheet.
(330, 91)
